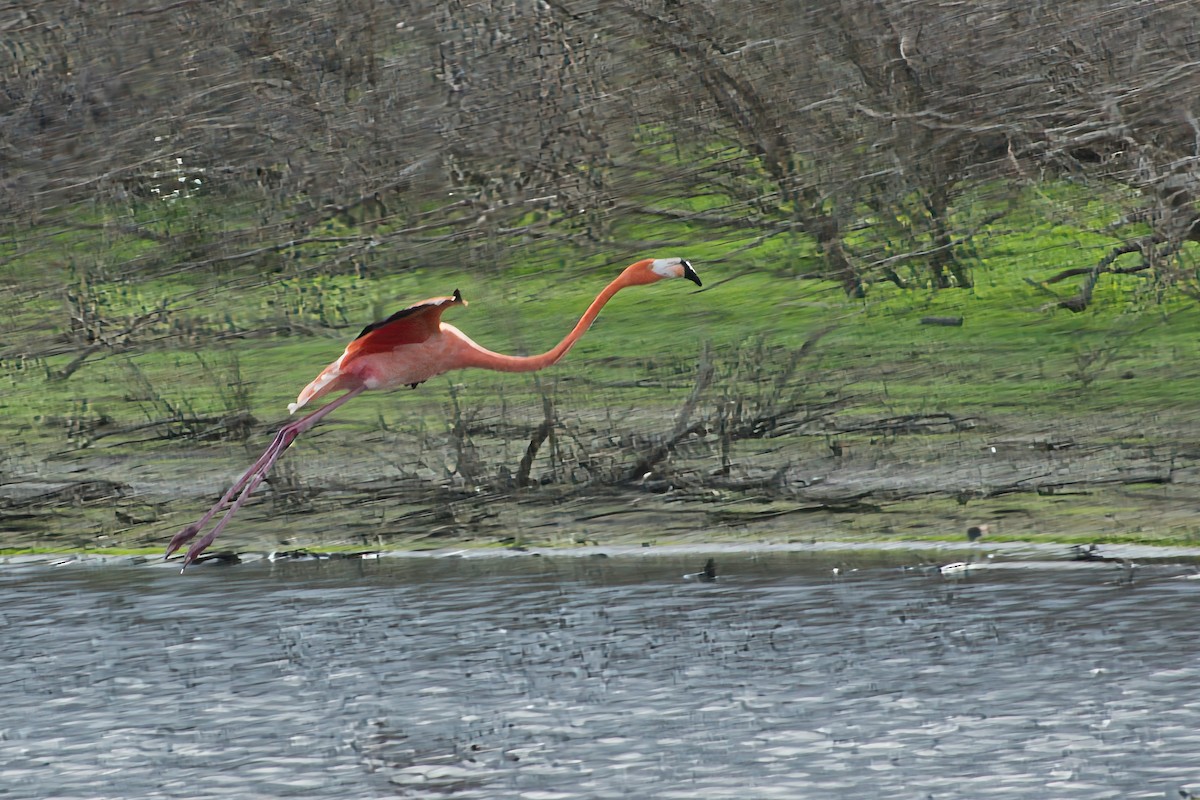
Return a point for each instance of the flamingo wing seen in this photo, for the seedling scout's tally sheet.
(412, 325)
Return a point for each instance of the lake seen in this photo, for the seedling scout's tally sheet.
(802, 673)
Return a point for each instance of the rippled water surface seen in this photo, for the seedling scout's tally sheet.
(585, 677)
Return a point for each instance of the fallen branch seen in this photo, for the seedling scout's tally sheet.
(909, 423)
(949, 322)
(683, 428)
(1148, 246)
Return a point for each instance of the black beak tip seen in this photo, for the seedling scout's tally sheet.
(690, 273)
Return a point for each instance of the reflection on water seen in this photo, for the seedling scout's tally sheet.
(596, 678)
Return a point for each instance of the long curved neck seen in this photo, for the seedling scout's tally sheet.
(487, 359)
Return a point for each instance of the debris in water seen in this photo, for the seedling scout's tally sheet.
(707, 575)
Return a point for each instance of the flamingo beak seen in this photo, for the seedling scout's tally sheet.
(690, 273)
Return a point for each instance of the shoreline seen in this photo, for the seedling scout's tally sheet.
(991, 556)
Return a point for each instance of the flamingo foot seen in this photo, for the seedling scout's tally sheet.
(182, 538)
(199, 547)
(249, 481)
(242, 488)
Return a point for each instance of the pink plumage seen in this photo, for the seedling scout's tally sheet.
(407, 349)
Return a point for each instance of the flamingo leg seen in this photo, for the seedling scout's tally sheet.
(249, 481)
(261, 465)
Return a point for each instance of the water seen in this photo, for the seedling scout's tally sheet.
(582, 677)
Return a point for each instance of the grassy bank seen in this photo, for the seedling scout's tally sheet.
(134, 392)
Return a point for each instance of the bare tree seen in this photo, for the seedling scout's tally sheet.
(885, 134)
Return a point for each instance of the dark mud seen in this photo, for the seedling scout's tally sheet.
(870, 479)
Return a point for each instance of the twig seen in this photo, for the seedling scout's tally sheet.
(535, 442)
(79, 360)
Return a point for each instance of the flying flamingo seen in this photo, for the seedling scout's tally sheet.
(407, 349)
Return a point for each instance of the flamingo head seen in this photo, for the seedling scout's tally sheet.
(655, 269)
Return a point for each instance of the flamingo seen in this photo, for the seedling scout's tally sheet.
(407, 349)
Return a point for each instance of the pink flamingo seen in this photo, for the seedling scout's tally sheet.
(407, 349)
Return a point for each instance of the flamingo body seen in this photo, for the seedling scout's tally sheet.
(407, 349)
